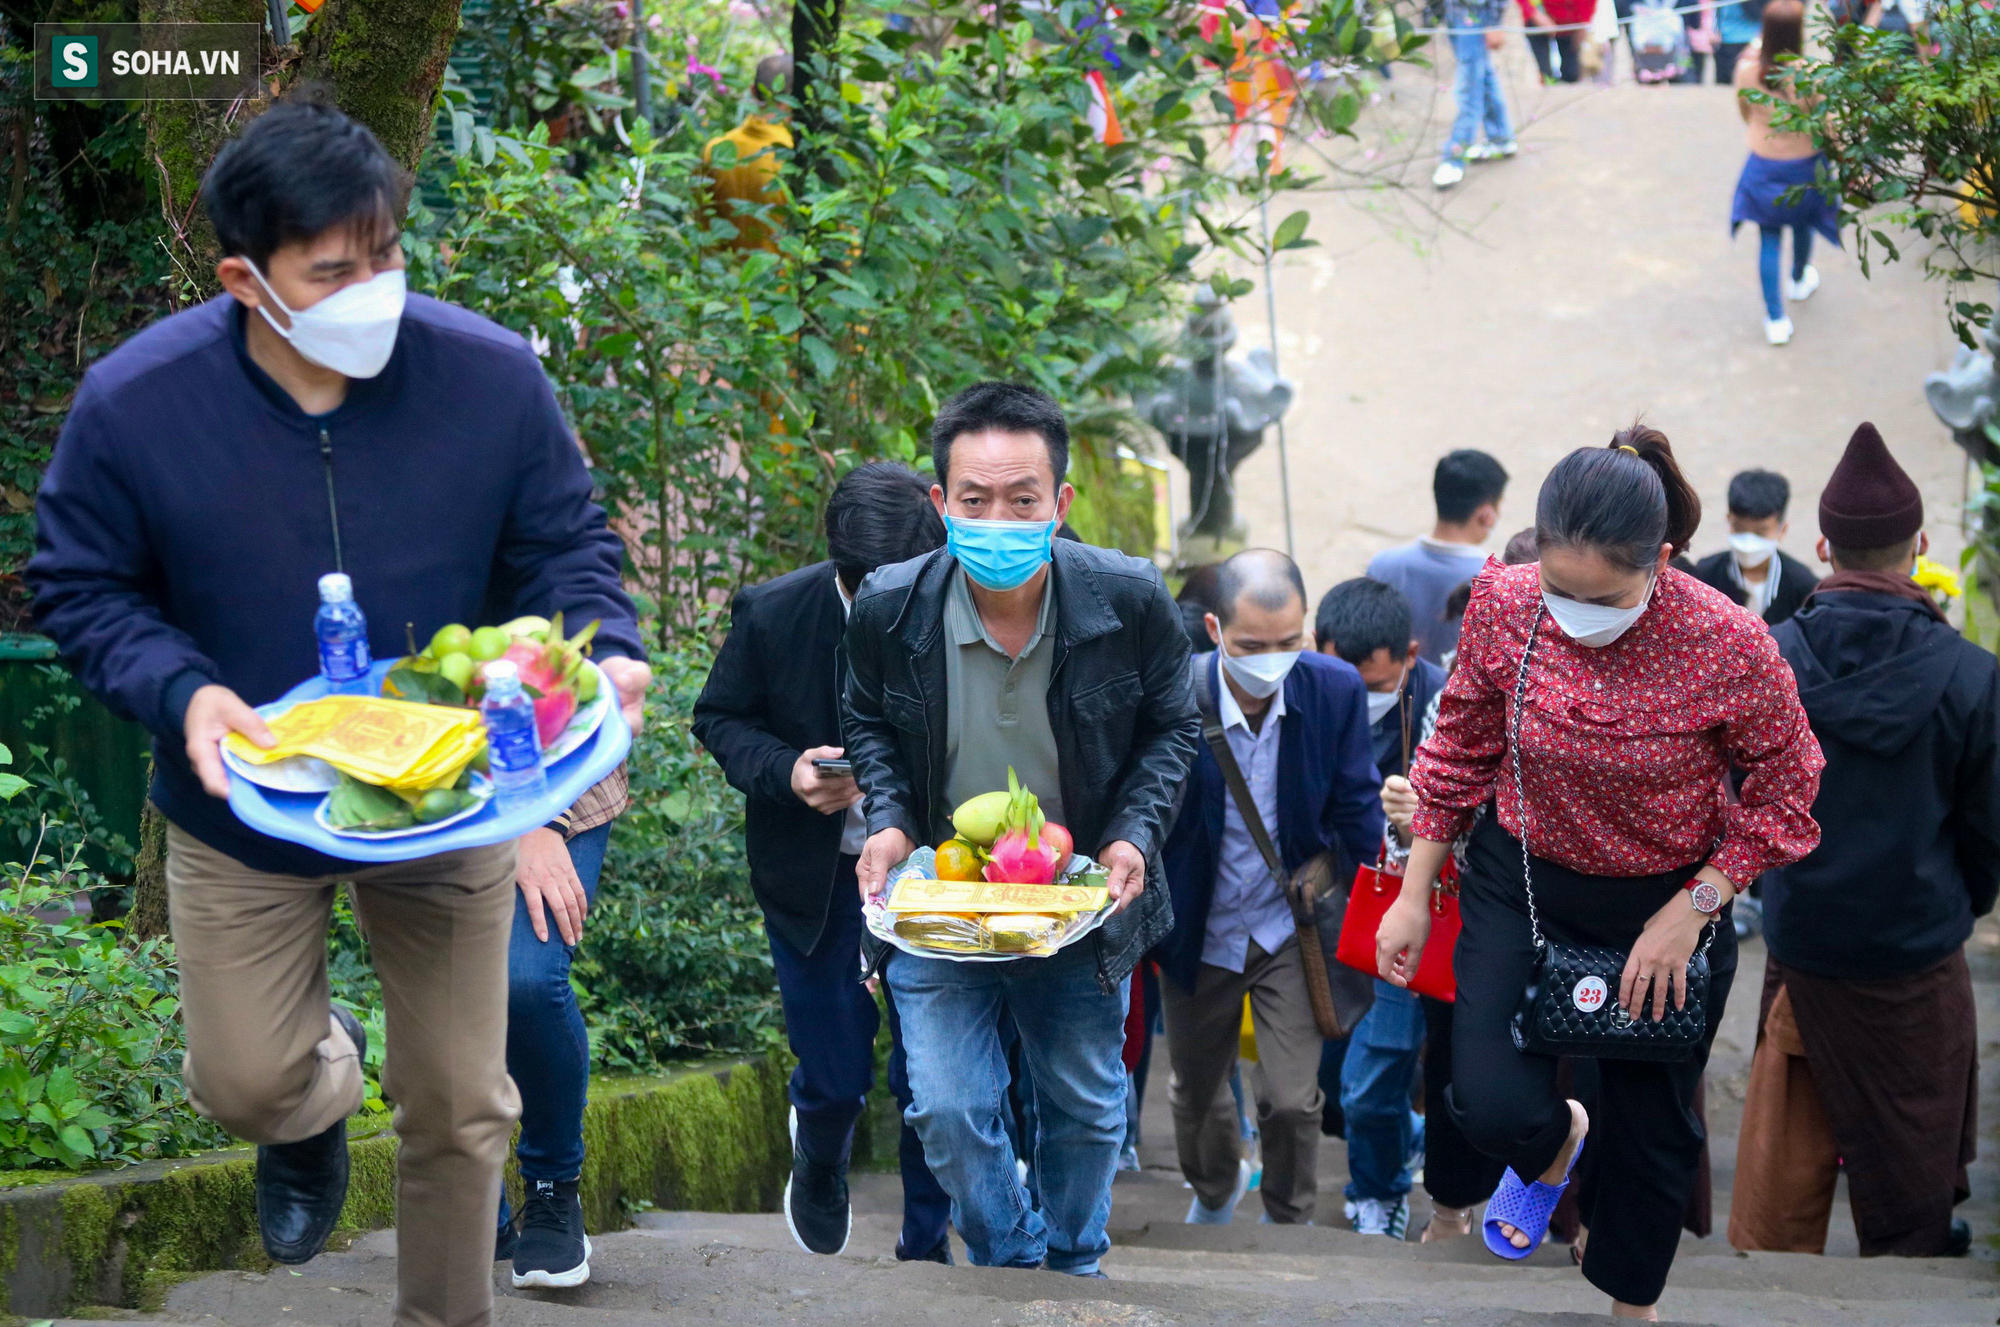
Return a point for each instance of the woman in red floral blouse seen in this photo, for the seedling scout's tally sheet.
(1643, 689)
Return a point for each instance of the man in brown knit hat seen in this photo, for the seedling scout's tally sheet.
(1867, 1055)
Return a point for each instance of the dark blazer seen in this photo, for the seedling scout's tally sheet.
(773, 691)
(1328, 799)
(1119, 702)
(1908, 714)
(188, 515)
(1795, 582)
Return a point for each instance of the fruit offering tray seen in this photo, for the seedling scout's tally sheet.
(293, 816)
(920, 868)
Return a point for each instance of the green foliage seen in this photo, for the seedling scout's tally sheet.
(947, 216)
(90, 1041)
(58, 817)
(79, 272)
(674, 961)
(1914, 143)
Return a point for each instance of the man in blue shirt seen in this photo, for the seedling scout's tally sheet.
(317, 419)
(1467, 486)
(1297, 726)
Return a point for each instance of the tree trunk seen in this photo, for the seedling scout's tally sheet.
(381, 61)
(148, 917)
(384, 60)
(815, 24)
(182, 137)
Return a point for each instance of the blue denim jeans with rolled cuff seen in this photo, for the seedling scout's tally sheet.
(1375, 1081)
(548, 1052)
(1480, 101)
(1072, 1037)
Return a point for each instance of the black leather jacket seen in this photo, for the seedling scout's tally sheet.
(1119, 702)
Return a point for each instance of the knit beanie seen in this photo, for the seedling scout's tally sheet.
(1869, 502)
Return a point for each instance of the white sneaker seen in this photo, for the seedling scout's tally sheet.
(1802, 289)
(1490, 151)
(1372, 1216)
(1778, 331)
(1447, 174)
(1199, 1214)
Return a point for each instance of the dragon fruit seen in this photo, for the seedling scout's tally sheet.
(1017, 860)
(551, 668)
(1025, 852)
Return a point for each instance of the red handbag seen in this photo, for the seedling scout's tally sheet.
(1374, 890)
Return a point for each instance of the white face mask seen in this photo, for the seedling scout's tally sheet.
(352, 331)
(1752, 550)
(1380, 703)
(1260, 674)
(1595, 625)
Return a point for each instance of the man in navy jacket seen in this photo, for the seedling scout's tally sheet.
(314, 420)
(1297, 724)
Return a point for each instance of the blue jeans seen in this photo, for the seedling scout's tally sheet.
(830, 1022)
(548, 1055)
(1477, 87)
(1769, 240)
(1072, 1038)
(1375, 1081)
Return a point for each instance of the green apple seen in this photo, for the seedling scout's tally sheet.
(488, 643)
(456, 669)
(450, 639)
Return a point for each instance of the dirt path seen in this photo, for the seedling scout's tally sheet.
(1590, 280)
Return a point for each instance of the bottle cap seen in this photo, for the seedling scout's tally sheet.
(335, 588)
(501, 670)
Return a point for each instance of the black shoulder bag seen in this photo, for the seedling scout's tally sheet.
(1318, 900)
(1571, 1004)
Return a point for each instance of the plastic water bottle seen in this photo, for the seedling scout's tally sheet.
(342, 632)
(513, 747)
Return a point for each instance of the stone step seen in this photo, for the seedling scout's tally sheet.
(702, 1268)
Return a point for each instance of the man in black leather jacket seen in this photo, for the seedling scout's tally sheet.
(769, 710)
(1068, 664)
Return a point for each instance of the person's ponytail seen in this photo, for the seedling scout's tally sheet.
(1683, 504)
(1623, 500)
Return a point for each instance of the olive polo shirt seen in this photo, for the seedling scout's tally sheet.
(997, 705)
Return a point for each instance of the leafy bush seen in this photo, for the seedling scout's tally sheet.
(674, 961)
(61, 817)
(949, 215)
(90, 1041)
(1910, 142)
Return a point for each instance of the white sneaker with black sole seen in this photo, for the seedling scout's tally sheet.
(552, 1252)
(817, 1211)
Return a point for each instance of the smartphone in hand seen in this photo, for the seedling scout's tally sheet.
(833, 769)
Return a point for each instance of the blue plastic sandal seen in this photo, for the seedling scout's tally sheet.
(1526, 1207)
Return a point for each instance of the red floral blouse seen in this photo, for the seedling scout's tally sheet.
(1625, 749)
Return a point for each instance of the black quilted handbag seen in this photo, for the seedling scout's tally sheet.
(1571, 1004)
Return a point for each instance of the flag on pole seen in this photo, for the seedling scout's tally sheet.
(1103, 116)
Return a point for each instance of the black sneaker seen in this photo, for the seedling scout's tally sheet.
(302, 1186)
(1961, 1239)
(553, 1253)
(940, 1254)
(816, 1207)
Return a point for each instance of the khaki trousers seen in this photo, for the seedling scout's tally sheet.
(1203, 1033)
(266, 1061)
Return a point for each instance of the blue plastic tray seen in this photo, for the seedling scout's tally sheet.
(289, 816)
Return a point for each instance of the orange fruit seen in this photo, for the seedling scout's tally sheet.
(958, 860)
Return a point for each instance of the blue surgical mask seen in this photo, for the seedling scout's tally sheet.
(999, 555)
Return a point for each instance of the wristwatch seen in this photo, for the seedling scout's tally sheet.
(1705, 897)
